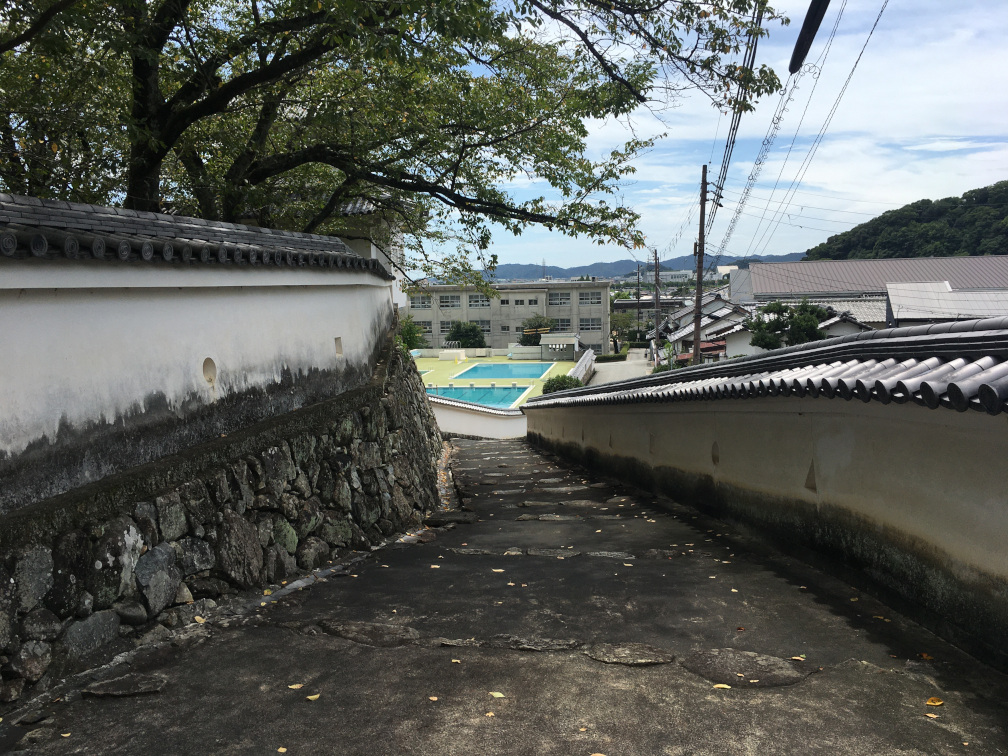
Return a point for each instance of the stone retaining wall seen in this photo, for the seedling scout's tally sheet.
(114, 559)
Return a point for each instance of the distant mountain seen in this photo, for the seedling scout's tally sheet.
(617, 269)
(974, 224)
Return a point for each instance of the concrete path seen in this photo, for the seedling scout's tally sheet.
(576, 617)
(634, 367)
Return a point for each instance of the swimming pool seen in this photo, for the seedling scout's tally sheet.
(500, 397)
(506, 370)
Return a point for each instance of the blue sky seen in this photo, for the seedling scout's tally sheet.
(925, 115)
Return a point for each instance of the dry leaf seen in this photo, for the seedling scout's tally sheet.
(627, 564)
(65, 735)
(296, 686)
(489, 713)
(934, 701)
(314, 697)
(754, 681)
(495, 570)
(511, 584)
(799, 658)
(734, 590)
(722, 685)
(456, 661)
(435, 566)
(262, 603)
(432, 698)
(929, 715)
(582, 729)
(926, 656)
(199, 620)
(495, 694)
(281, 749)
(267, 592)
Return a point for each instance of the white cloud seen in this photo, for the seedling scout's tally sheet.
(925, 115)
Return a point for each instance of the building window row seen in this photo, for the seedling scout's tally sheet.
(424, 325)
(446, 326)
(450, 301)
(479, 300)
(420, 301)
(590, 324)
(558, 298)
(563, 325)
(589, 297)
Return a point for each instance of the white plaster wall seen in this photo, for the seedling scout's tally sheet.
(467, 422)
(88, 344)
(935, 475)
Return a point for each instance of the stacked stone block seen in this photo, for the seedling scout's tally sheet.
(247, 521)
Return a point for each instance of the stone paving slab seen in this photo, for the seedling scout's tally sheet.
(656, 631)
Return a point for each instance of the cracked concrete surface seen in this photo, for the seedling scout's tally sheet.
(617, 624)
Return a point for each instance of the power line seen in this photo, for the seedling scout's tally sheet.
(771, 229)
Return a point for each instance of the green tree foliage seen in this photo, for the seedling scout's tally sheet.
(282, 113)
(974, 224)
(468, 335)
(778, 324)
(411, 334)
(535, 323)
(624, 323)
(560, 383)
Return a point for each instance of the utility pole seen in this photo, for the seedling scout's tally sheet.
(638, 300)
(699, 268)
(657, 305)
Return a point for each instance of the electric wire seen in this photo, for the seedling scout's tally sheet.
(803, 169)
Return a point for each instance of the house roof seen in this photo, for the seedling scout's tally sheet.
(871, 309)
(851, 277)
(960, 365)
(48, 229)
(937, 300)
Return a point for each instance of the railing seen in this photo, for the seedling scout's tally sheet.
(585, 367)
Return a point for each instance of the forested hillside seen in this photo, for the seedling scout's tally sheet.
(974, 224)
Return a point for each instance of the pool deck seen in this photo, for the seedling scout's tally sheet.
(441, 373)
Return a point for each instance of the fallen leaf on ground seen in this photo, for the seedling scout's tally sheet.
(456, 661)
(582, 729)
(926, 656)
(435, 566)
(267, 592)
(433, 698)
(934, 701)
(722, 685)
(313, 697)
(65, 735)
(800, 657)
(489, 713)
(495, 694)
(296, 686)
(929, 715)
(497, 570)
(199, 620)
(754, 681)
(281, 749)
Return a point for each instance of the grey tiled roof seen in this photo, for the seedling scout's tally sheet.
(957, 365)
(789, 279)
(864, 309)
(30, 227)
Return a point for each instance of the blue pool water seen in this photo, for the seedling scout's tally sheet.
(506, 370)
(491, 397)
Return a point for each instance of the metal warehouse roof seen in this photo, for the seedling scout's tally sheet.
(956, 365)
(817, 277)
(937, 300)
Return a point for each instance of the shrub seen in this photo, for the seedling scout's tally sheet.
(560, 383)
